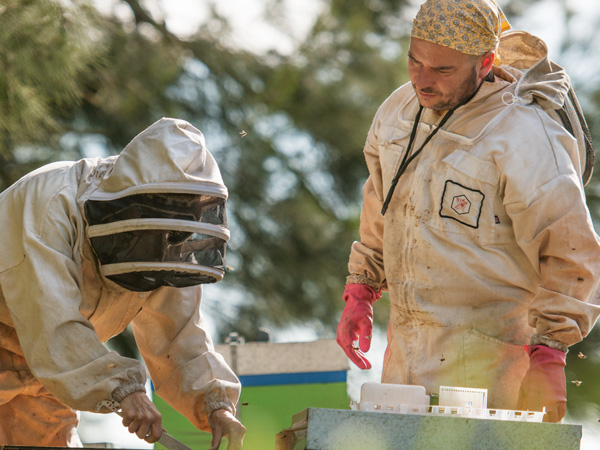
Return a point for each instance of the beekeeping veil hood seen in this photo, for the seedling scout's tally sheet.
(158, 217)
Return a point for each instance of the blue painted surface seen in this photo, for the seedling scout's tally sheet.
(274, 379)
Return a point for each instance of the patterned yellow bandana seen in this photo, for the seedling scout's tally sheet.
(472, 27)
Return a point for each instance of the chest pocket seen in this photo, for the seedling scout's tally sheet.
(463, 195)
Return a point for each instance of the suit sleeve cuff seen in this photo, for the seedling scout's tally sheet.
(360, 279)
(538, 339)
(123, 391)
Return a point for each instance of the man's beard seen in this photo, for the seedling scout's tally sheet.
(463, 95)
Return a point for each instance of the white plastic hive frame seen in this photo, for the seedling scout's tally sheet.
(402, 399)
(464, 397)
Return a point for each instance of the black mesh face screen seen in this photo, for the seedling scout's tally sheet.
(204, 253)
(160, 246)
(197, 208)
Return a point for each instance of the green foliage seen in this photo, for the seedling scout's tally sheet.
(47, 47)
(318, 105)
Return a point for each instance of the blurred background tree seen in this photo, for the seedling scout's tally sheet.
(286, 129)
(46, 51)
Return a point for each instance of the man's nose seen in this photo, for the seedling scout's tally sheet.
(423, 79)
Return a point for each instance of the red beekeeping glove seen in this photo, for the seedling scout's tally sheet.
(357, 323)
(544, 383)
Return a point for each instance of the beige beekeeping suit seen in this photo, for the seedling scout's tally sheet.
(487, 243)
(56, 309)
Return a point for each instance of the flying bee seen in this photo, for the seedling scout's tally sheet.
(581, 356)
(577, 382)
(243, 133)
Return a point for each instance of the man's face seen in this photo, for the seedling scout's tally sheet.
(442, 78)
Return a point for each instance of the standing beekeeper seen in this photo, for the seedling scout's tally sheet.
(89, 247)
(474, 216)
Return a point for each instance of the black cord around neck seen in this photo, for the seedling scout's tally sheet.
(408, 158)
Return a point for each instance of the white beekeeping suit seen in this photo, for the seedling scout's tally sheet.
(474, 216)
(88, 248)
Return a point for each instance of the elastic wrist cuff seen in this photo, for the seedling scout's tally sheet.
(359, 279)
(123, 391)
(538, 339)
(212, 406)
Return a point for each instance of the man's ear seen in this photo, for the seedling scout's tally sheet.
(487, 60)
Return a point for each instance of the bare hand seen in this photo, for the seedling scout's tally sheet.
(225, 424)
(141, 417)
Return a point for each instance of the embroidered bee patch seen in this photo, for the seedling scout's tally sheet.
(461, 204)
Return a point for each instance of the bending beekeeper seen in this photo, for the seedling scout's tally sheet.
(91, 246)
(474, 216)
